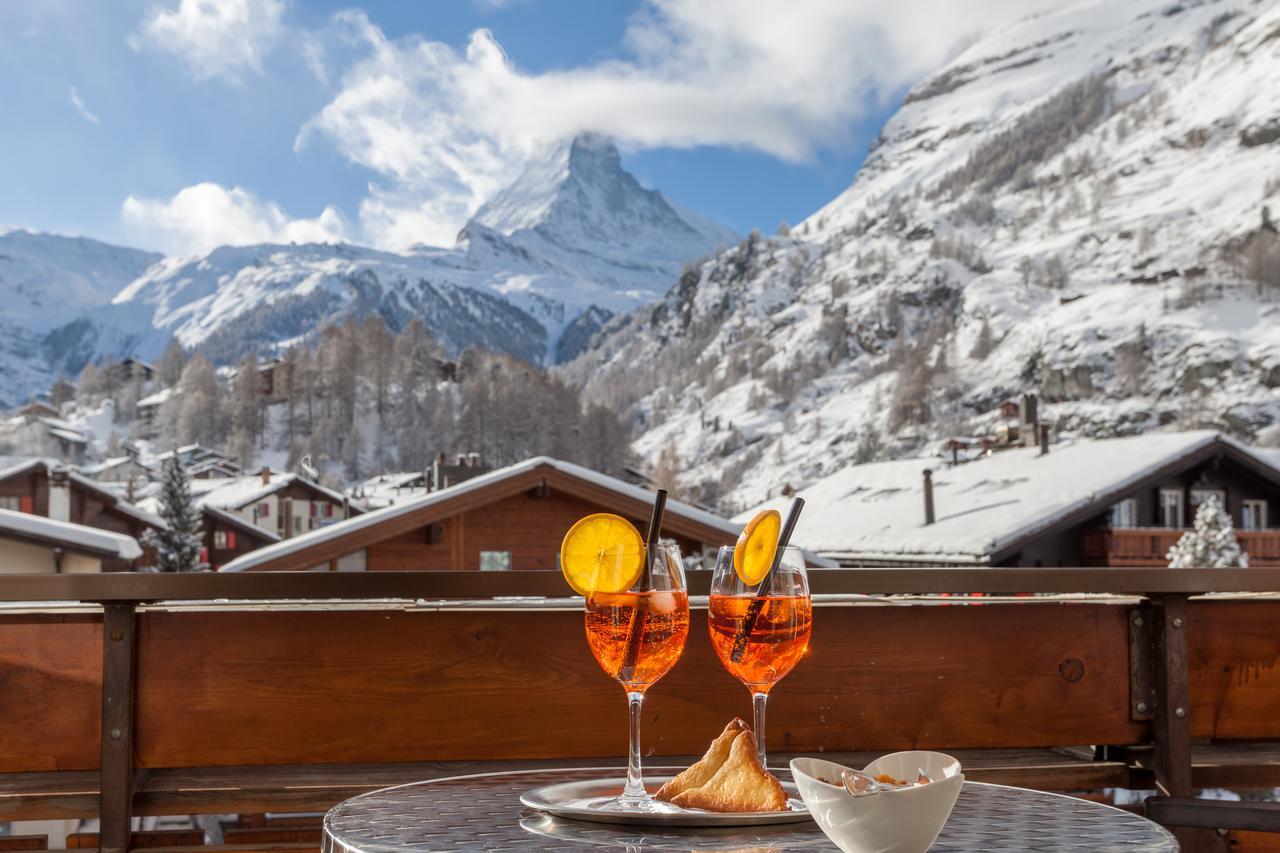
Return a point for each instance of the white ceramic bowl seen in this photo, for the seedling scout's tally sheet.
(901, 821)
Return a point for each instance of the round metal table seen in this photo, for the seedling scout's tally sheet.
(483, 812)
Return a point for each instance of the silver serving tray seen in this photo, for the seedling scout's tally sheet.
(581, 800)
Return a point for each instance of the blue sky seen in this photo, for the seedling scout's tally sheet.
(161, 109)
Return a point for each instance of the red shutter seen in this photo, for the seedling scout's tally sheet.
(231, 539)
(25, 504)
(313, 509)
(328, 510)
(204, 555)
(264, 510)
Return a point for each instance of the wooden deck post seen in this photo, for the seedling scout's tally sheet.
(1172, 729)
(119, 665)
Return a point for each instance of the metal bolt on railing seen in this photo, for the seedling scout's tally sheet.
(115, 734)
(1141, 707)
(1137, 621)
(1177, 622)
(1179, 712)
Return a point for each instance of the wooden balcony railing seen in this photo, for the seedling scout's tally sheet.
(133, 694)
(1148, 546)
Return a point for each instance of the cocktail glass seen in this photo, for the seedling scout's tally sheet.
(760, 633)
(637, 636)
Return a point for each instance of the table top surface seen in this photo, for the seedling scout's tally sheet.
(484, 812)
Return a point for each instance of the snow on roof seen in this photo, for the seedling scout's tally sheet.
(236, 492)
(69, 435)
(1271, 455)
(108, 464)
(876, 511)
(371, 519)
(386, 489)
(157, 398)
(72, 537)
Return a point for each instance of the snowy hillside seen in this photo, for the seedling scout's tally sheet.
(50, 287)
(1074, 206)
(572, 242)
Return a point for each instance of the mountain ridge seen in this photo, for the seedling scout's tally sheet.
(537, 286)
(1067, 207)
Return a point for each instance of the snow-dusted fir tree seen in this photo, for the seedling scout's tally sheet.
(1210, 543)
(178, 547)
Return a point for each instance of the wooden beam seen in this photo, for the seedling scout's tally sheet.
(250, 586)
(1172, 730)
(119, 664)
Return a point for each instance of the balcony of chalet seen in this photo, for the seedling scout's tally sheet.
(1148, 546)
(264, 694)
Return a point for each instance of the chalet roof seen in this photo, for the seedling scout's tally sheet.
(237, 492)
(70, 537)
(989, 508)
(108, 464)
(107, 496)
(317, 544)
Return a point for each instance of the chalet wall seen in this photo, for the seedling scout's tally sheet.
(25, 557)
(529, 525)
(21, 557)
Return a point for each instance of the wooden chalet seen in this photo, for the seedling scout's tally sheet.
(1090, 502)
(226, 536)
(31, 544)
(279, 505)
(509, 519)
(41, 487)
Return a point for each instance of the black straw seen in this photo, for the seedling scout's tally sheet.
(757, 602)
(635, 636)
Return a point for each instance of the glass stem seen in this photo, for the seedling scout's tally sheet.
(758, 701)
(635, 780)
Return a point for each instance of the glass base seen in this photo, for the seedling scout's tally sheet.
(630, 805)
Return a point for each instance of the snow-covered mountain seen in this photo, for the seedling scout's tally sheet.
(51, 290)
(574, 240)
(1074, 206)
(535, 273)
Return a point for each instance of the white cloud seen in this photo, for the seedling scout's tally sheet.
(204, 216)
(78, 102)
(446, 129)
(214, 38)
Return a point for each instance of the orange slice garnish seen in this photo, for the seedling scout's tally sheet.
(753, 555)
(602, 553)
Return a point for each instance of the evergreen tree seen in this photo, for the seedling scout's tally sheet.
(1211, 543)
(177, 547)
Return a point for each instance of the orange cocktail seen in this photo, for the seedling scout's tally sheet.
(777, 641)
(760, 630)
(637, 655)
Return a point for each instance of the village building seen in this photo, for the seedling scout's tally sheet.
(31, 544)
(278, 504)
(226, 535)
(147, 424)
(42, 487)
(118, 469)
(123, 372)
(444, 471)
(1085, 502)
(202, 463)
(512, 518)
(39, 409)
